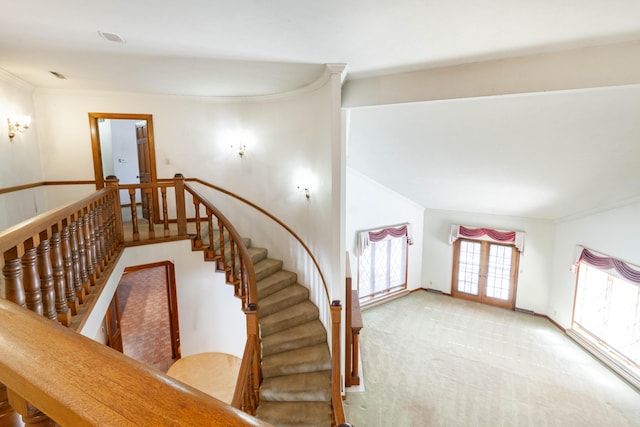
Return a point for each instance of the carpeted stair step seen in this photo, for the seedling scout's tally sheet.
(275, 282)
(257, 254)
(204, 235)
(281, 300)
(266, 267)
(306, 387)
(293, 316)
(295, 414)
(216, 237)
(306, 359)
(303, 335)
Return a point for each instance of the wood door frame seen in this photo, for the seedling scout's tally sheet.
(509, 304)
(112, 320)
(97, 149)
(172, 301)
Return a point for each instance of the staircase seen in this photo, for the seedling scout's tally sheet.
(296, 364)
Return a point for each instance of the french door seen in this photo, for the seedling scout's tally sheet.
(485, 272)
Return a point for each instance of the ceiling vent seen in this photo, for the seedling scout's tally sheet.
(58, 75)
(112, 37)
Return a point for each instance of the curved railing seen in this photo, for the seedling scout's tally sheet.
(334, 306)
(239, 271)
(277, 221)
(242, 275)
(69, 252)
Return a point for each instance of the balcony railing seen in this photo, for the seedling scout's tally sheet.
(56, 264)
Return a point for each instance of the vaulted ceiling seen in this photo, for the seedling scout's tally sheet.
(544, 155)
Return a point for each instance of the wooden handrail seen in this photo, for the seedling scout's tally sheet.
(249, 277)
(80, 382)
(336, 393)
(43, 184)
(338, 410)
(277, 221)
(101, 235)
(353, 325)
(17, 234)
(243, 277)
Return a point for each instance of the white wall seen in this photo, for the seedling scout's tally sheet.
(210, 317)
(534, 274)
(292, 134)
(613, 232)
(20, 158)
(371, 205)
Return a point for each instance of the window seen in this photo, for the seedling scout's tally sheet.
(382, 262)
(606, 314)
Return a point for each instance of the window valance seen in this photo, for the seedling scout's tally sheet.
(615, 267)
(515, 237)
(380, 234)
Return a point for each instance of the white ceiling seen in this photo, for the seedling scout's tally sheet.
(210, 47)
(545, 155)
(255, 47)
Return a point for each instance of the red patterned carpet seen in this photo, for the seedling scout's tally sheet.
(144, 314)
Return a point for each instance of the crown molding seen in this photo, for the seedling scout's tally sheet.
(16, 82)
(329, 70)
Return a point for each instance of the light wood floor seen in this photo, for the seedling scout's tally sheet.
(433, 360)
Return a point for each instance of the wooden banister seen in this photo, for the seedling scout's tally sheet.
(79, 382)
(239, 271)
(353, 325)
(247, 277)
(336, 392)
(14, 236)
(87, 238)
(336, 381)
(277, 221)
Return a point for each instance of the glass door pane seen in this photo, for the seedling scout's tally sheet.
(469, 267)
(499, 272)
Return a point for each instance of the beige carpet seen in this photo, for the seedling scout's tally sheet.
(433, 360)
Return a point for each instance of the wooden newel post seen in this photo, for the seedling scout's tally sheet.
(181, 207)
(336, 395)
(251, 313)
(113, 181)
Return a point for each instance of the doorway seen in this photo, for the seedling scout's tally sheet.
(485, 272)
(148, 310)
(123, 145)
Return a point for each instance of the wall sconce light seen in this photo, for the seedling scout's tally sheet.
(307, 194)
(18, 124)
(240, 148)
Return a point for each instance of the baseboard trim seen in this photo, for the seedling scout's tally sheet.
(605, 358)
(385, 299)
(431, 290)
(556, 324)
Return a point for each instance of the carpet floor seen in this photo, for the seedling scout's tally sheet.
(433, 360)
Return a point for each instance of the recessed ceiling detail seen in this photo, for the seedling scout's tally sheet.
(112, 37)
